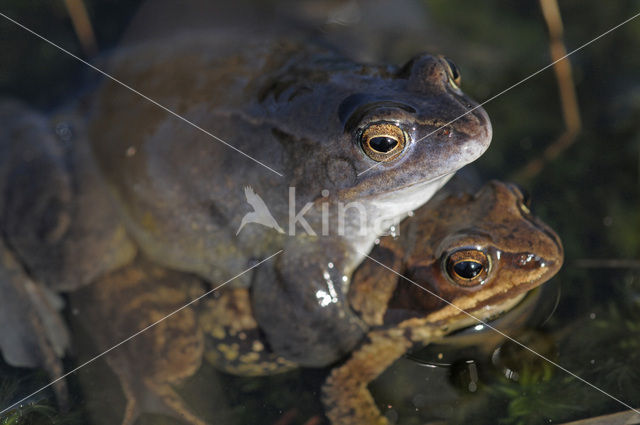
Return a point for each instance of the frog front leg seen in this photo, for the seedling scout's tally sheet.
(300, 304)
(346, 397)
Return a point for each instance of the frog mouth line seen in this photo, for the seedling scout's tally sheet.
(400, 188)
(457, 338)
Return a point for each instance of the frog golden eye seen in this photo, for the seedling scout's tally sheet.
(454, 74)
(467, 267)
(383, 141)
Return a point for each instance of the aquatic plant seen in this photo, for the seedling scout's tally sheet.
(35, 411)
(540, 395)
(30, 413)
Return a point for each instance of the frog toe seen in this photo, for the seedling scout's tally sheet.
(171, 404)
(131, 412)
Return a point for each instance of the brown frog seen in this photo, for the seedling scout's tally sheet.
(481, 253)
(463, 259)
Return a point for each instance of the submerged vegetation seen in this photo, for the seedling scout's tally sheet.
(36, 411)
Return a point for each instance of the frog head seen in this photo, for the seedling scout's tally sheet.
(386, 138)
(481, 254)
(384, 130)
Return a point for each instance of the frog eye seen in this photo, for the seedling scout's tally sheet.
(467, 267)
(524, 197)
(454, 74)
(383, 141)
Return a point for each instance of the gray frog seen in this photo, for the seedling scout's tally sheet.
(134, 178)
(339, 132)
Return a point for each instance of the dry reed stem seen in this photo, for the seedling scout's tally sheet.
(82, 26)
(566, 87)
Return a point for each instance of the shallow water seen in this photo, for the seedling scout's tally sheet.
(589, 194)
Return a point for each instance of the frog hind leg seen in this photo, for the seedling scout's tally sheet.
(174, 404)
(145, 391)
(345, 395)
(36, 190)
(145, 297)
(132, 408)
(150, 396)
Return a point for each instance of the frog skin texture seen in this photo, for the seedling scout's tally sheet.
(492, 228)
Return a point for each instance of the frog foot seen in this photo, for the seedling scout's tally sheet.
(345, 395)
(151, 390)
(157, 398)
(148, 386)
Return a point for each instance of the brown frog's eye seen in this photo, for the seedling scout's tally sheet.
(383, 141)
(467, 267)
(454, 74)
